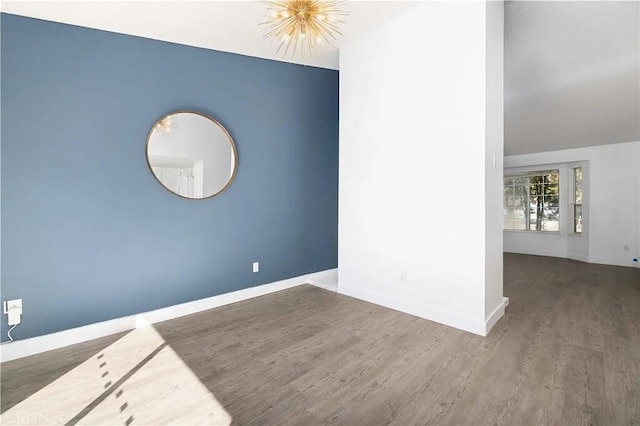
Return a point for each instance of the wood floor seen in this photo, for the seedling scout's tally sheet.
(566, 352)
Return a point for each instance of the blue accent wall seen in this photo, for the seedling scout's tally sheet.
(89, 235)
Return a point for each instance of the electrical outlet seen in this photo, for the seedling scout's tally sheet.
(13, 309)
(256, 267)
(625, 247)
(403, 278)
(12, 305)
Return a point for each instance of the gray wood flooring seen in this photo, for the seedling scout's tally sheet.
(566, 352)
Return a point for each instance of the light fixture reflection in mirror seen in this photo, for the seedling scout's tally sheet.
(191, 154)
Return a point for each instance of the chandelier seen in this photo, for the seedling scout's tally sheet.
(164, 126)
(304, 25)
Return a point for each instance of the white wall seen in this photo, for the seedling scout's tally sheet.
(413, 165)
(494, 141)
(611, 204)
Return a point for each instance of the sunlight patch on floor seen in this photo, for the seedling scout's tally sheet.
(136, 380)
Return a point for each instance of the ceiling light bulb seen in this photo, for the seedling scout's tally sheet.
(295, 18)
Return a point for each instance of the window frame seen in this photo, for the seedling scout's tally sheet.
(574, 199)
(529, 175)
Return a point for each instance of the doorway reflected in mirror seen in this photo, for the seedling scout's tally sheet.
(191, 154)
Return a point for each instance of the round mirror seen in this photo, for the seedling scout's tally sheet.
(191, 154)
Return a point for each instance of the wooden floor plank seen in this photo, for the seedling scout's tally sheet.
(567, 351)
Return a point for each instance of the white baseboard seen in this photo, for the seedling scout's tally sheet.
(35, 345)
(328, 280)
(410, 307)
(497, 313)
(578, 256)
(613, 262)
(575, 256)
(517, 250)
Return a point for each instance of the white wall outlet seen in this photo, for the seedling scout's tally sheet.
(256, 267)
(625, 247)
(403, 278)
(13, 308)
(10, 305)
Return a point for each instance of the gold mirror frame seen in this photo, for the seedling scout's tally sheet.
(216, 122)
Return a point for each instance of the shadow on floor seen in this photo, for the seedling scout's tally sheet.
(23, 377)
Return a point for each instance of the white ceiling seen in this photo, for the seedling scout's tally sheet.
(572, 74)
(230, 26)
(572, 68)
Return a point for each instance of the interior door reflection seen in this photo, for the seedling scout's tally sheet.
(182, 176)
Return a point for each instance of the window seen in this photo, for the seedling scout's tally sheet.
(577, 200)
(532, 202)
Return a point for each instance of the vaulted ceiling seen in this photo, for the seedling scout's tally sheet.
(572, 74)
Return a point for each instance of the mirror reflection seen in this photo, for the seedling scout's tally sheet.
(191, 154)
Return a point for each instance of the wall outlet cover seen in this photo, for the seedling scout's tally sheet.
(13, 309)
(13, 305)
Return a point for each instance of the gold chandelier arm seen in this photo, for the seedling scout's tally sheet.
(304, 25)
